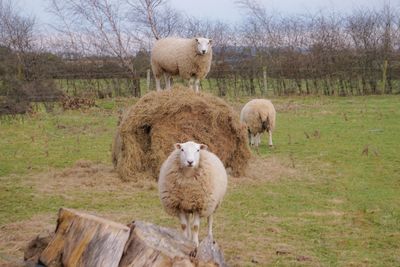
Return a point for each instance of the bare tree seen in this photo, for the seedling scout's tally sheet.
(254, 9)
(363, 28)
(16, 33)
(155, 18)
(97, 27)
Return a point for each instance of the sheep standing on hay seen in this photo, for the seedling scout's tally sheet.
(188, 58)
(259, 116)
(192, 181)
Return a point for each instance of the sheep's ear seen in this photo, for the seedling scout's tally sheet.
(178, 146)
(203, 146)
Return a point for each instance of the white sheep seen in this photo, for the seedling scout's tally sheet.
(192, 181)
(188, 58)
(259, 116)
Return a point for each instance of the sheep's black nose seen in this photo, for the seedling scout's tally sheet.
(204, 51)
(190, 162)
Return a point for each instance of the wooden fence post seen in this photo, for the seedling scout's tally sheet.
(265, 80)
(148, 80)
(384, 75)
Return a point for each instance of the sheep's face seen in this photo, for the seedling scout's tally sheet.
(203, 45)
(190, 153)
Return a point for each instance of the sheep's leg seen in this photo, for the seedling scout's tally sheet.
(195, 228)
(189, 223)
(270, 138)
(185, 224)
(258, 139)
(196, 85)
(252, 139)
(167, 78)
(209, 224)
(158, 85)
(191, 82)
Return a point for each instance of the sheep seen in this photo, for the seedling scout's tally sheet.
(258, 115)
(188, 58)
(192, 181)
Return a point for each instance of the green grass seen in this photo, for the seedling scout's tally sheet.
(54, 141)
(341, 208)
(368, 185)
(58, 139)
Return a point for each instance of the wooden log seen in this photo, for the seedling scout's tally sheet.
(85, 240)
(209, 252)
(151, 245)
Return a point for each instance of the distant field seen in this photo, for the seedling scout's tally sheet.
(326, 195)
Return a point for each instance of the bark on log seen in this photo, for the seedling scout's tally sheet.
(86, 240)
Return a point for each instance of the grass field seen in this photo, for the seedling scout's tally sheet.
(328, 194)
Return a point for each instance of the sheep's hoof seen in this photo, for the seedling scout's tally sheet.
(193, 253)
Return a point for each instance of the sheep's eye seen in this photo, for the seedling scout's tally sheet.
(182, 149)
(198, 150)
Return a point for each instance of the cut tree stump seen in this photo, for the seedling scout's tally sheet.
(82, 239)
(85, 240)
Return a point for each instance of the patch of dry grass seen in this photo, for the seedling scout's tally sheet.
(85, 176)
(14, 237)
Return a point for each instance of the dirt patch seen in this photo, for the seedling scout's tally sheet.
(151, 127)
(85, 176)
(88, 176)
(329, 213)
(325, 112)
(265, 169)
(336, 201)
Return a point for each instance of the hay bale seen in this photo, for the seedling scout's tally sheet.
(151, 127)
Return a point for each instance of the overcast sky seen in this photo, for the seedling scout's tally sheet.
(226, 10)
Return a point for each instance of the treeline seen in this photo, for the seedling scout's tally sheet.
(325, 53)
(103, 44)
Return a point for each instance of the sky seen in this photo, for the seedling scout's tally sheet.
(227, 10)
